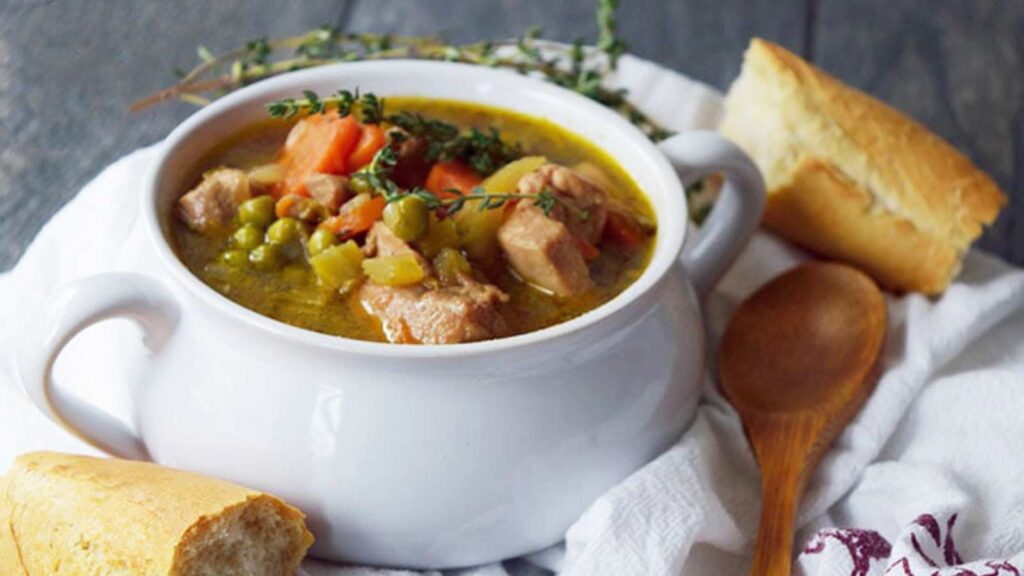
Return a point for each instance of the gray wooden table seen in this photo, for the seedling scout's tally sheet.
(69, 68)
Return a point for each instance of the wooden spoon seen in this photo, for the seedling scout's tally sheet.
(797, 361)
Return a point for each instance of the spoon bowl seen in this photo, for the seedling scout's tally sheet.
(797, 361)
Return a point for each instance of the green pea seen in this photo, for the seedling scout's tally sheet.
(236, 258)
(359, 185)
(320, 240)
(284, 230)
(407, 218)
(258, 211)
(247, 237)
(266, 257)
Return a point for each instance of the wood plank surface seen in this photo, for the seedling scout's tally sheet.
(68, 71)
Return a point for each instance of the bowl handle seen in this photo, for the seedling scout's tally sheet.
(76, 307)
(737, 211)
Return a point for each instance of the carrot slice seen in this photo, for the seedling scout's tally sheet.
(284, 204)
(370, 142)
(318, 143)
(623, 229)
(447, 176)
(355, 217)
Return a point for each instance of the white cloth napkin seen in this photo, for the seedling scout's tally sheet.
(927, 479)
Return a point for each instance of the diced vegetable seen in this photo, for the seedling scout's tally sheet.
(321, 240)
(283, 206)
(478, 230)
(236, 258)
(440, 234)
(301, 207)
(284, 230)
(338, 266)
(371, 140)
(359, 185)
(400, 270)
(506, 179)
(318, 143)
(622, 229)
(265, 179)
(447, 176)
(266, 257)
(356, 216)
(407, 218)
(449, 265)
(247, 237)
(258, 211)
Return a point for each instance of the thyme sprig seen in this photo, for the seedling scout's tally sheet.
(567, 66)
(344, 101)
(546, 200)
(484, 151)
(377, 177)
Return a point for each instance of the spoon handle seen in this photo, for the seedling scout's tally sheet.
(783, 447)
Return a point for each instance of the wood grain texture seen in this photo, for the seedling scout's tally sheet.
(823, 326)
(958, 67)
(69, 69)
(704, 39)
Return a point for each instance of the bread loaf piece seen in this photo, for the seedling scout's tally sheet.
(853, 179)
(63, 514)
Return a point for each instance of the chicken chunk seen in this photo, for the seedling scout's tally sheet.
(214, 202)
(381, 241)
(330, 190)
(466, 313)
(582, 205)
(428, 314)
(543, 251)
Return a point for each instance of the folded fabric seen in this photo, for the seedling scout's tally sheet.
(926, 480)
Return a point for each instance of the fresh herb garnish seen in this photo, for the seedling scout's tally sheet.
(262, 58)
(484, 151)
(344, 101)
(376, 176)
(545, 200)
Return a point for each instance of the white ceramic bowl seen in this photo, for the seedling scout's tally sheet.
(425, 456)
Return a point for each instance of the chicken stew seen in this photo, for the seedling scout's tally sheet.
(422, 221)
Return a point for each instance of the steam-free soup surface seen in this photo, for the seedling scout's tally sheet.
(354, 226)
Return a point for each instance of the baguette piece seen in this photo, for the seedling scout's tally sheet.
(63, 514)
(853, 179)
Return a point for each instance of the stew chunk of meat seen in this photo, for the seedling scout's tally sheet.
(214, 202)
(329, 190)
(381, 241)
(546, 251)
(468, 312)
(465, 313)
(582, 205)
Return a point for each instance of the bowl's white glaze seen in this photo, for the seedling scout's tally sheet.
(425, 456)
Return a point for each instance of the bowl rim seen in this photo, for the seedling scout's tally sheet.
(672, 231)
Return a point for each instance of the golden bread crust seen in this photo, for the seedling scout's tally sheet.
(812, 135)
(92, 515)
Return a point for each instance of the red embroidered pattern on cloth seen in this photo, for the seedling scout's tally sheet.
(932, 548)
